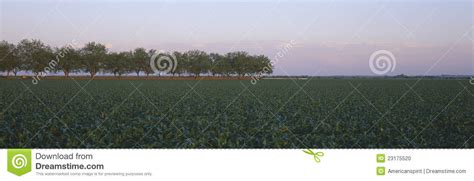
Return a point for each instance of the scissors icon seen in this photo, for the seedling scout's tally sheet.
(315, 155)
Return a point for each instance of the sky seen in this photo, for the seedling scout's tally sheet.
(321, 37)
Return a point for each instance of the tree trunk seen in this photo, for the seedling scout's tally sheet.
(93, 72)
(8, 73)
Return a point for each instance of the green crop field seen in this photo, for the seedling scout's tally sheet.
(323, 113)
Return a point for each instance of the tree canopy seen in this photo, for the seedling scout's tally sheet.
(93, 58)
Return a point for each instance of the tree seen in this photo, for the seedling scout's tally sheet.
(225, 66)
(118, 63)
(147, 69)
(140, 60)
(239, 61)
(68, 59)
(93, 57)
(199, 62)
(263, 65)
(184, 64)
(8, 59)
(34, 55)
(180, 64)
(217, 63)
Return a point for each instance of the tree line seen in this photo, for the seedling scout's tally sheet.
(36, 57)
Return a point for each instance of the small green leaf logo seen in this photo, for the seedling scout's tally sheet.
(381, 171)
(380, 158)
(19, 161)
(315, 155)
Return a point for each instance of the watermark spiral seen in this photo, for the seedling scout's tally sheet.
(163, 61)
(382, 61)
(19, 161)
